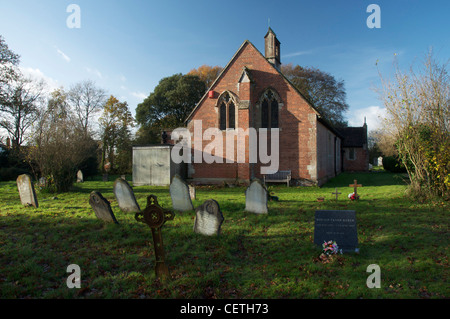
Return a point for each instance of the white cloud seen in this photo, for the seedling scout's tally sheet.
(289, 55)
(64, 56)
(51, 84)
(94, 71)
(373, 115)
(139, 95)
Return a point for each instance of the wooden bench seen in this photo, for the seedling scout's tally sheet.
(278, 177)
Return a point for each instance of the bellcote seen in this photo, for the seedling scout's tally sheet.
(272, 48)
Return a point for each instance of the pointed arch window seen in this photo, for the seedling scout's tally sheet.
(269, 109)
(227, 112)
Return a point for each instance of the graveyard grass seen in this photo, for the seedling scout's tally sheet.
(256, 256)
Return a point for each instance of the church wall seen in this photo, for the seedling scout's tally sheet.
(326, 154)
(297, 120)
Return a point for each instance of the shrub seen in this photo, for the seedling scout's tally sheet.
(393, 165)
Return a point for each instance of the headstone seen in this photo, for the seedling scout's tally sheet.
(380, 161)
(208, 218)
(102, 207)
(338, 226)
(124, 177)
(256, 198)
(125, 196)
(105, 177)
(80, 178)
(179, 192)
(192, 192)
(155, 217)
(26, 191)
(42, 182)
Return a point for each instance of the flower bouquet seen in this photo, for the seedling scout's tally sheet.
(329, 249)
(353, 196)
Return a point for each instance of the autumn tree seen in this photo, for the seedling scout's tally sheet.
(207, 74)
(115, 123)
(322, 90)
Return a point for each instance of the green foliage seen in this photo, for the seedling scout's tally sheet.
(169, 105)
(393, 165)
(322, 90)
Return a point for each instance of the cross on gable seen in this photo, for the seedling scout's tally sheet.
(355, 186)
(155, 217)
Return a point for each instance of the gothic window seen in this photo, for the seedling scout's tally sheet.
(269, 110)
(227, 112)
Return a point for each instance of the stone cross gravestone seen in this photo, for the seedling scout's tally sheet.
(355, 187)
(125, 196)
(208, 218)
(80, 178)
(179, 192)
(155, 217)
(336, 193)
(102, 207)
(26, 191)
(338, 226)
(256, 198)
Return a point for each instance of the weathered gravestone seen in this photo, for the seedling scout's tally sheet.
(42, 182)
(125, 196)
(102, 207)
(208, 218)
(192, 192)
(256, 198)
(26, 191)
(338, 226)
(155, 217)
(179, 192)
(80, 178)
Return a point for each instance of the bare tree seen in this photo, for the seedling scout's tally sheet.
(59, 145)
(418, 117)
(86, 100)
(19, 104)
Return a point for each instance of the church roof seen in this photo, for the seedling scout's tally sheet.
(353, 136)
(247, 42)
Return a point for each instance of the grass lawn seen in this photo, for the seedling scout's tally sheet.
(256, 256)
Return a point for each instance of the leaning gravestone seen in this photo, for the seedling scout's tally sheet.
(26, 191)
(102, 207)
(179, 192)
(80, 178)
(338, 226)
(208, 218)
(256, 198)
(125, 196)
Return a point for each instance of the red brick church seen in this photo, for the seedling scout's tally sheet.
(251, 92)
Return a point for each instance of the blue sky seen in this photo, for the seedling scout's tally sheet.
(126, 47)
